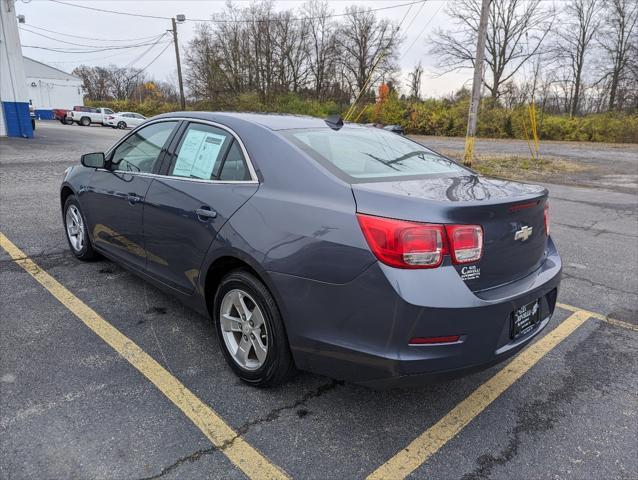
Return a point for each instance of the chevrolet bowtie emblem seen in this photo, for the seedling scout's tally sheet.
(523, 234)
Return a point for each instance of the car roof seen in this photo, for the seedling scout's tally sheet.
(273, 121)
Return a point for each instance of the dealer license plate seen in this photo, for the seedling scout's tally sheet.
(524, 319)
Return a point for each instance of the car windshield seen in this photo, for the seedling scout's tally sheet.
(370, 153)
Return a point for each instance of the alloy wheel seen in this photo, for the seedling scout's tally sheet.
(244, 329)
(75, 227)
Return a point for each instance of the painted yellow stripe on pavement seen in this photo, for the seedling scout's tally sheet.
(598, 316)
(435, 437)
(222, 436)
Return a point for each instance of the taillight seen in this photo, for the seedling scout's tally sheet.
(404, 244)
(546, 215)
(110, 117)
(466, 242)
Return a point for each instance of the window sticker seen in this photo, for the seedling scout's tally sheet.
(198, 154)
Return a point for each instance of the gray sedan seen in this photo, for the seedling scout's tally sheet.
(316, 245)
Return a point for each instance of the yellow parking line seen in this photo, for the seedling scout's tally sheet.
(245, 457)
(435, 437)
(598, 316)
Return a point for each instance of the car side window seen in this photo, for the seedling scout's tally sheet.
(201, 152)
(140, 151)
(234, 167)
(108, 111)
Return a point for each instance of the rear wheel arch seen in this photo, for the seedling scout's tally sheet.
(217, 270)
(227, 263)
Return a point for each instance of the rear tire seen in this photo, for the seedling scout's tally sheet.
(85, 121)
(77, 233)
(237, 334)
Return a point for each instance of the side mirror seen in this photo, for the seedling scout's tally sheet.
(93, 160)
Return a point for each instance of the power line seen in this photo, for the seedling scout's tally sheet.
(141, 15)
(72, 43)
(76, 51)
(425, 26)
(139, 57)
(152, 61)
(65, 34)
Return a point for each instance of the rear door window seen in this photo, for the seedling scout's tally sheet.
(234, 167)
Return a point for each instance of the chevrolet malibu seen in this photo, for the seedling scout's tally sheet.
(316, 245)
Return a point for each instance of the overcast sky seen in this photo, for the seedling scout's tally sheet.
(71, 20)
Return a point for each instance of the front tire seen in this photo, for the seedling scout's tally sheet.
(121, 125)
(77, 233)
(251, 331)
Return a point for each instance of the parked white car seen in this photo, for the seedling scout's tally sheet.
(85, 116)
(125, 119)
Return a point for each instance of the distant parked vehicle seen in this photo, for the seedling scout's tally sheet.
(398, 129)
(61, 114)
(125, 119)
(32, 115)
(85, 116)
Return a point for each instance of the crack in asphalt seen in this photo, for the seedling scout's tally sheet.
(580, 376)
(593, 283)
(271, 416)
(193, 457)
(597, 231)
(37, 256)
(627, 208)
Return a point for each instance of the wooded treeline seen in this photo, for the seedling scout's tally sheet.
(259, 50)
(569, 58)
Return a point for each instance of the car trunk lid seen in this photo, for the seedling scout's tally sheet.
(510, 213)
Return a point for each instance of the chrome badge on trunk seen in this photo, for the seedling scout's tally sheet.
(523, 234)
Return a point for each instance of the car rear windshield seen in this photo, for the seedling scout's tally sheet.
(370, 153)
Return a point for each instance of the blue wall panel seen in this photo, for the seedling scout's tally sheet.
(44, 114)
(17, 119)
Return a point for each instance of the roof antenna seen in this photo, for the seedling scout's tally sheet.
(335, 122)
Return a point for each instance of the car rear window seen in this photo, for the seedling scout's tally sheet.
(370, 153)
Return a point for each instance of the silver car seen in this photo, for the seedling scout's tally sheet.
(125, 120)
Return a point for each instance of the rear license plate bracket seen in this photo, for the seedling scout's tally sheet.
(524, 319)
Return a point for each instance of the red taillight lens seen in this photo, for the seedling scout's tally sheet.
(110, 117)
(403, 244)
(546, 214)
(466, 242)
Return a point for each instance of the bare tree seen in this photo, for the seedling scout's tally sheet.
(111, 82)
(579, 25)
(322, 48)
(619, 28)
(368, 48)
(415, 81)
(516, 31)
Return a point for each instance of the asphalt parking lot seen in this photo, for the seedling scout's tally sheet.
(103, 376)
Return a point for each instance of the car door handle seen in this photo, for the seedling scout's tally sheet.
(205, 213)
(133, 199)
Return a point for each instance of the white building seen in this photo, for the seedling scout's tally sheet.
(50, 88)
(14, 98)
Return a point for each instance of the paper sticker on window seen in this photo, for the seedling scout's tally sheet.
(198, 154)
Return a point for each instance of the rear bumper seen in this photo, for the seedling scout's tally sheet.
(359, 331)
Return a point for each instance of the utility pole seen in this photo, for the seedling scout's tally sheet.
(180, 19)
(476, 85)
